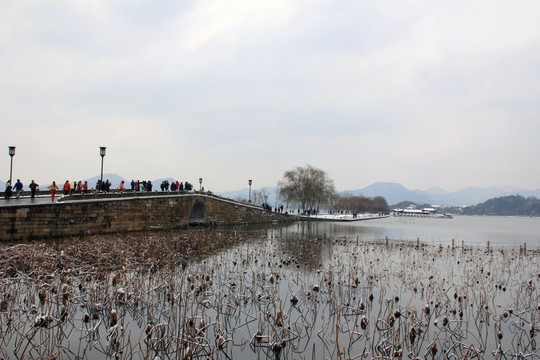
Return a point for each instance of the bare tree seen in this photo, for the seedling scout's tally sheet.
(307, 186)
(278, 197)
(261, 196)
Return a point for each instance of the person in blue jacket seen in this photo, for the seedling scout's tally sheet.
(18, 188)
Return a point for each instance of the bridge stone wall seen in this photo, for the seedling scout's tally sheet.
(72, 218)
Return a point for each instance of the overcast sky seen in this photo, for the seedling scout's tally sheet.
(422, 93)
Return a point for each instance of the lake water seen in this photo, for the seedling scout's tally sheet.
(305, 290)
(470, 230)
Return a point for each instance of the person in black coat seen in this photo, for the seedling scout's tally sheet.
(8, 192)
(33, 187)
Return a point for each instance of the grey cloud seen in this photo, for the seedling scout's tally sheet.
(417, 85)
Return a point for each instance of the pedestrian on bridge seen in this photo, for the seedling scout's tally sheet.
(53, 188)
(8, 192)
(33, 187)
(67, 187)
(18, 188)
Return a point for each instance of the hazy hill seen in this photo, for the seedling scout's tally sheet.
(474, 195)
(513, 205)
(235, 194)
(395, 193)
(392, 192)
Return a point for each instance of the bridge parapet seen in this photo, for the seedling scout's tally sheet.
(124, 214)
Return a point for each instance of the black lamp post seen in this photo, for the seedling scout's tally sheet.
(11, 153)
(102, 150)
(250, 181)
(200, 184)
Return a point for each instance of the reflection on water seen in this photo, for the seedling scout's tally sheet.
(469, 230)
(305, 290)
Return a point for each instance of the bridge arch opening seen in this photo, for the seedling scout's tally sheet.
(197, 215)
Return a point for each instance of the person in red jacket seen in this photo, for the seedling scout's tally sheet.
(67, 187)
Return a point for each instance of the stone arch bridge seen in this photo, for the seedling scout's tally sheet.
(100, 214)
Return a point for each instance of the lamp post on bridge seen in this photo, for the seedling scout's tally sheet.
(250, 181)
(102, 151)
(11, 153)
(200, 184)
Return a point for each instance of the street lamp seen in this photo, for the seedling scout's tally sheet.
(11, 153)
(102, 150)
(250, 181)
(200, 184)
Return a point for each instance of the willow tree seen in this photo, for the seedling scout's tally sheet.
(307, 186)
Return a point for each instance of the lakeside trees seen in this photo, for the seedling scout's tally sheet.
(311, 188)
(307, 186)
(362, 204)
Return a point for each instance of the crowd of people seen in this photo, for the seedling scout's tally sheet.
(80, 187)
(175, 186)
(18, 189)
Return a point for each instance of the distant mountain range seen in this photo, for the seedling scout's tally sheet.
(512, 205)
(394, 193)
